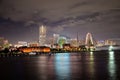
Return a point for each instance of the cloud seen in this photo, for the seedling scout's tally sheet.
(54, 10)
(79, 4)
(62, 16)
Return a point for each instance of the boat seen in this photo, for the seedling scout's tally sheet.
(32, 53)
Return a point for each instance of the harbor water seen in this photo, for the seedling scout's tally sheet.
(102, 65)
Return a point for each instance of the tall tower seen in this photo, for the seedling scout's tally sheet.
(89, 40)
(42, 35)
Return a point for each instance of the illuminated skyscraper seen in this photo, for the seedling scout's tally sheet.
(42, 35)
(56, 37)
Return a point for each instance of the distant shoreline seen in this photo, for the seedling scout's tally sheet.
(51, 53)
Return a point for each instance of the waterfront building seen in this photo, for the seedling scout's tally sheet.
(1, 41)
(4, 43)
(100, 43)
(42, 35)
(55, 38)
(33, 44)
(112, 41)
(66, 46)
(82, 42)
(21, 43)
(74, 43)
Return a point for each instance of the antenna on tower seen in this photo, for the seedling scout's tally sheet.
(77, 39)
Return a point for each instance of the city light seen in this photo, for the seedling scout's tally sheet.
(110, 48)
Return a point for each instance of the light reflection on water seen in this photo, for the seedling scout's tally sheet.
(112, 65)
(62, 66)
(42, 67)
(91, 66)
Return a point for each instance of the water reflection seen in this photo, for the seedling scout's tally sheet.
(62, 66)
(91, 62)
(91, 65)
(112, 66)
(42, 67)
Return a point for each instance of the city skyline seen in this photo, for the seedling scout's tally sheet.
(20, 20)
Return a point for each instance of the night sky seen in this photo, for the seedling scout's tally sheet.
(20, 19)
